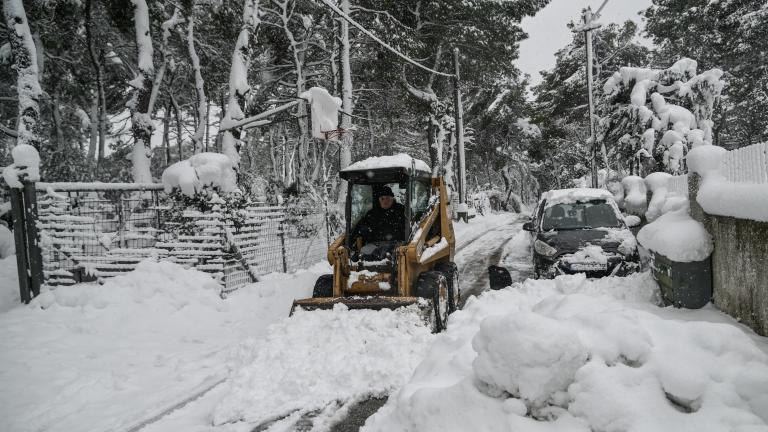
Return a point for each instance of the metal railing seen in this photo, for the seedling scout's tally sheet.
(746, 165)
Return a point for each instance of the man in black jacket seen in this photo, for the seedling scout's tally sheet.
(385, 222)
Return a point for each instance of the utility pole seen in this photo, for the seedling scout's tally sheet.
(459, 113)
(587, 25)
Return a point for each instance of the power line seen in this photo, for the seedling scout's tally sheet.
(381, 42)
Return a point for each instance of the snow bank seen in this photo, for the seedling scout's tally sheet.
(324, 109)
(626, 365)
(202, 169)
(26, 161)
(677, 236)
(400, 160)
(718, 196)
(307, 356)
(107, 357)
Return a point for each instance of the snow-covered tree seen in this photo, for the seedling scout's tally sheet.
(659, 113)
(24, 54)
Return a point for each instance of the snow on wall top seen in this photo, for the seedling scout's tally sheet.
(575, 195)
(400, 160)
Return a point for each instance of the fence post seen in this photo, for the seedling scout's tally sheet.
(19, 234)
(33, 242)
(281, 233)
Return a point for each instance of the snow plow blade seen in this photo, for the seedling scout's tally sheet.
(371, 303)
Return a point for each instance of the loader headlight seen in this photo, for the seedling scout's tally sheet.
(543, 248)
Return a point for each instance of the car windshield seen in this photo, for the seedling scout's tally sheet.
(582, 215)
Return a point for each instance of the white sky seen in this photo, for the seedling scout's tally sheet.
(547, 31)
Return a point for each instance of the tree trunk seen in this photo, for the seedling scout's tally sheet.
(202, 112)
(56, 112)
(27, 81)
(141, 122)
(167, 26)
(166, 133)
(347, 103)
(94, 131)
(179, 130)
(238, 80)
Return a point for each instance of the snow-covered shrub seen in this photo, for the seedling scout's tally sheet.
(656, 183)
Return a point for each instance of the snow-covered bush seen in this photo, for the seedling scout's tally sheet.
(635, 198)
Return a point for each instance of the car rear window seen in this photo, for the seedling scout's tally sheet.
(581, 215)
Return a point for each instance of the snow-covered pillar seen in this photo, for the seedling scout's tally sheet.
(238, 80)
(27, 81)
(141, 121)
(347, 104)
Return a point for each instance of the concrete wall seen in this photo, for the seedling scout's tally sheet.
(739, 264)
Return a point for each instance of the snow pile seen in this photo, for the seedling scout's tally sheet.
(200, 170)
(514, 355)
(400, 160)
(26, 163)
(108, 357)
(718, 196)
(324, 109)
(677, 236)
(656, 183)
(572, 354)
(308, 359)
(635, 198)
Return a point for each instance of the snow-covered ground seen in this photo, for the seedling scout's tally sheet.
(568, 354)
(577, 355)
(107, 357)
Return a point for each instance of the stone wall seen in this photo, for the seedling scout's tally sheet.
(739, 264)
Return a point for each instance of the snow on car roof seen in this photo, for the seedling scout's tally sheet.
(559, 196)
(401, 160)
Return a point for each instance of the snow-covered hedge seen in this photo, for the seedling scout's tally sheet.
(204, 169)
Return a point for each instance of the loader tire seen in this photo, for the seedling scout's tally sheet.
(451, 272)
(433, 285)
(323, 286)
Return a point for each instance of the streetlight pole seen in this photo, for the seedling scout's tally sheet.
(459, 113)
(587, 25)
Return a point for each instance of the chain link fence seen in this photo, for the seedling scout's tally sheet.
(90, 231)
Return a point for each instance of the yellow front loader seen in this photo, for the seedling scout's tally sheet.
(417, 269)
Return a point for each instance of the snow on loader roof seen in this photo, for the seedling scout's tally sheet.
(400, 160)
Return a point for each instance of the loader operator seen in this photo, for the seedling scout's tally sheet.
(383, 223)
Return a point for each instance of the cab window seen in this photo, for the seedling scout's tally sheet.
(420, 199)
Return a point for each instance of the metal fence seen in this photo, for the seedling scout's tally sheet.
(747, 164)
(678, 185)
(90, 231)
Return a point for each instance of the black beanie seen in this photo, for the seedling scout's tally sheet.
(383, 191)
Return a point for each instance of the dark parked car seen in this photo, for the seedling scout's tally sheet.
(581, 231)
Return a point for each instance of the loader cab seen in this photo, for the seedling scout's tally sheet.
(411, 188)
